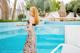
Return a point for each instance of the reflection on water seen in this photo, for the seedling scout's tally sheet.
(49, 35)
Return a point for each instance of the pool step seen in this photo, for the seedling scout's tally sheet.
(9, 29)
(45, 42)
(42, 42)
(49, 41)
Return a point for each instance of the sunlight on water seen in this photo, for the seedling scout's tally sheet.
(49, 35)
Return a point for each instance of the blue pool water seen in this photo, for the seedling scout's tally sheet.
(49, 35)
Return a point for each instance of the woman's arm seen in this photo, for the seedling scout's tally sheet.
(21, 25)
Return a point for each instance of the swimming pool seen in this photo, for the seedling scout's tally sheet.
(49, 35)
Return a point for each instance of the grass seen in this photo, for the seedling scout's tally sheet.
(13, 21)
(9, 21)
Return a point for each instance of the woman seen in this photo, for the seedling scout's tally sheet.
(35, 15)
(31, 40)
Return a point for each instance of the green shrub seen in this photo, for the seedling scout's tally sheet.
(44, 6)
(9, 21)
(21, 16)
(73, 6)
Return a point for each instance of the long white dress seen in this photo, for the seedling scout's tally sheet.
(30, 45)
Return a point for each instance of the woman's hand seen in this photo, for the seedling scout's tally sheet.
(20, 25)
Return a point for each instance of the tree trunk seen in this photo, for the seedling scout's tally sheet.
(14, 9)
(4, 9)
(62, 11)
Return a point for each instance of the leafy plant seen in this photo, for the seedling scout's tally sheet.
(28, 4)
(54, 5)
(43, 5)
(73, 6)
(21, 16)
